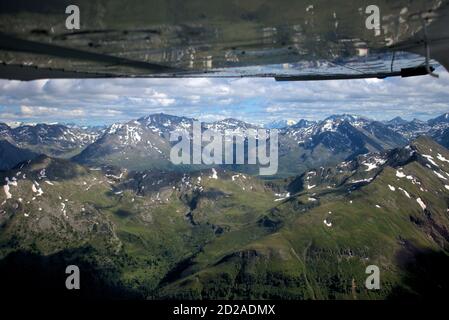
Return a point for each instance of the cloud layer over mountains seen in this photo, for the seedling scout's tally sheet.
(255, 100)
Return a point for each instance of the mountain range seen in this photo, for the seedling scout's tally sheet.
(351, 192)
(51, 139)
(144, 143)
(218, 234)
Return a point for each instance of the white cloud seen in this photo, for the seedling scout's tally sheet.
(36, 112)
(273, 109)
(252, 99)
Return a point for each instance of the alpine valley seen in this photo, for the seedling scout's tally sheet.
(350, 192)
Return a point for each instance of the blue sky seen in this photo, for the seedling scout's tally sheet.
(104, 101)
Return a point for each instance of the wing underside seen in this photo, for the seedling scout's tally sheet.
(287, 40)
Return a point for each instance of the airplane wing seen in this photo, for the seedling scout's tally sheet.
(283, 39)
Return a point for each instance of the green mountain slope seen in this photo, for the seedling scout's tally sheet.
(219, 234)
(329, 234)
(135, 225)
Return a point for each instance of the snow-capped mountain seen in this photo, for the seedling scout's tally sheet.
(397, 121)
(52, 139)
(410, 129)
(303, 124)
(163, 124)
(280, 124)
(441, 135)
(435, 127)
(145, 142)
(138, 144)
(342, 131)
(334, 139)
(441, 120)
(229, 124)
(4, 129)
(48, 134)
